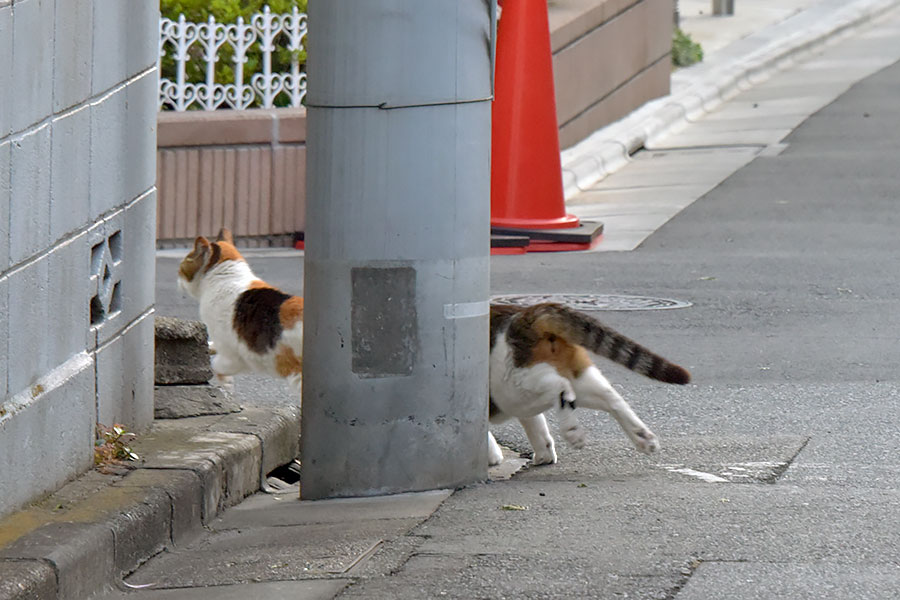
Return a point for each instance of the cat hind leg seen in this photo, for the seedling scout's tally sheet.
(225, 366)
(595, 392)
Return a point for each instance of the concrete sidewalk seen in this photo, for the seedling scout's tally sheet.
(101, 530)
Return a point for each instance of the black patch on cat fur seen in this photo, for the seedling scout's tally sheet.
(214, 258)
(563, 402)
(635, 357)
(492, 408)
(256, 318)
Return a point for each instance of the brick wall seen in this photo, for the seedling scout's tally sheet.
(77, 232)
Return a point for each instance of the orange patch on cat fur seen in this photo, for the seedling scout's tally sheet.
(228, 252)
(287, 363)
(257, 284)
(291, 312)
(568, 359)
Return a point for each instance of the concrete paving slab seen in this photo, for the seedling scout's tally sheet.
(625, 240)
(321, 589)
(637, 200)
(819, 581)
(687, 166)
(512, 464)
(685, 459)
(271, 553)
(274, 510)
(642, 526)
(712, 136)
(435, 575)
(744, 120)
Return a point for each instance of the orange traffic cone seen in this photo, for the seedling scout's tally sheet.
(526, 175)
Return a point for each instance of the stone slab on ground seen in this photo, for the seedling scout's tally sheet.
(183, 401)
(273, 510)
(182, 352)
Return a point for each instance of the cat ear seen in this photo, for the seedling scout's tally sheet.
(225, 236)
(201, 246)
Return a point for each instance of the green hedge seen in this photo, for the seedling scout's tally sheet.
(227, 11)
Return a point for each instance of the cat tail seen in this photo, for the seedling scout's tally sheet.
(584, 330)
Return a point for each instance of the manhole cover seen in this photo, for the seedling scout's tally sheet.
(593, 301)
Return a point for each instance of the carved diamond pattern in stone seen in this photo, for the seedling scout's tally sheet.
(106, 266)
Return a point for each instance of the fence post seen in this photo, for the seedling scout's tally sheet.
(397, 241)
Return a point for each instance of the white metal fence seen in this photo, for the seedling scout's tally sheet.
(185, 41)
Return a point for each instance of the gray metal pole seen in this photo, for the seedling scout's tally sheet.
(397, 251)
(723, 7)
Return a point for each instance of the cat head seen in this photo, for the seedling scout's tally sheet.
(204, 257)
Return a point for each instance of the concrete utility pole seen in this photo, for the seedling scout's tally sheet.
(397, 251)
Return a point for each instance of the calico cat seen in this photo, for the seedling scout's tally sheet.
(541, 358)
(253, 327)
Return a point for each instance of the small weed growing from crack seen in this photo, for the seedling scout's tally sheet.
(111, 449)
(685, 51)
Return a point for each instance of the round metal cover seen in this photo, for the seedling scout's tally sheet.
(593, 301)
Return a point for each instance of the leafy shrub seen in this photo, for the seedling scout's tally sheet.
(685, 51)
(228, 11)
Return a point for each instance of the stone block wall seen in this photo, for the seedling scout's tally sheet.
(78, 92)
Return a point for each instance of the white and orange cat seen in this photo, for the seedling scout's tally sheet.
(253, 327)
(542, 358)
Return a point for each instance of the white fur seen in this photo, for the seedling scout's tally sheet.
(495, 453)
(526, 393)
(217, 291)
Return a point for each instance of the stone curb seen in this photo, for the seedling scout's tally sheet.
(701, 88)
(98, 528)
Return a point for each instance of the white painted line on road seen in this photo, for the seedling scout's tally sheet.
(707, 477)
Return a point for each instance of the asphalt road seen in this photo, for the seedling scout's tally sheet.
(792, 339)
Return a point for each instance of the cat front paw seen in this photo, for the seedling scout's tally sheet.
(545, 455)
(495, 452)
(646, 441)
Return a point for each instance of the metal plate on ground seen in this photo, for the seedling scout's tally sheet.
(593, 301)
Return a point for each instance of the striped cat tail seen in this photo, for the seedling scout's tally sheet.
(579, 328)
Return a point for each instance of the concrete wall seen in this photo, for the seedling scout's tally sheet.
(246, 169)
(77, 232)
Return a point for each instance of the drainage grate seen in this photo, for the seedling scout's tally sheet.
(593, 301)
